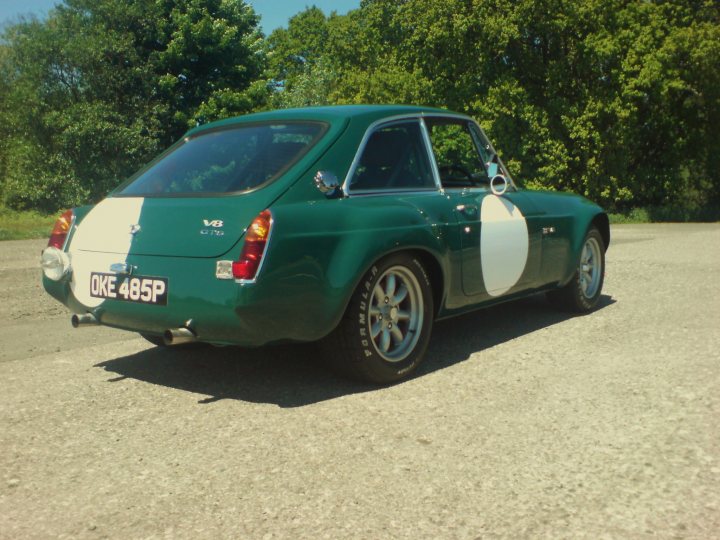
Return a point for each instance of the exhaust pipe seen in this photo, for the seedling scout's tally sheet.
(179, 336)
(86, 319)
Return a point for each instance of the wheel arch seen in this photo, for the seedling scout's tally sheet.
(435, 275)
(358, 356)
(602, 222)
(583, 222)
(431, 263)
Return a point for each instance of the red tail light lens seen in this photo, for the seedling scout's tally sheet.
(256, 238)
(61, 230)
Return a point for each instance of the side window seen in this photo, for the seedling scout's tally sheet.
(394, 158)
(457, 156)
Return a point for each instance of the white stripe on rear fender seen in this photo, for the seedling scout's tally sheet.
(102, 238)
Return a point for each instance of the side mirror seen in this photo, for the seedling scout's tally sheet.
(328, 184)
(498, 184)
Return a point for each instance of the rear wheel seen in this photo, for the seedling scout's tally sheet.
(386, 329)
(582, 293)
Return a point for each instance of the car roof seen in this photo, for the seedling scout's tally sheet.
(331, 114)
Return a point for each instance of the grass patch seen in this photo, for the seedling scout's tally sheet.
(666, 214)
(21, 225)
(636, 215)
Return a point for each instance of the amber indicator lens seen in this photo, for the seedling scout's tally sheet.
(60, 230)
(247, 265)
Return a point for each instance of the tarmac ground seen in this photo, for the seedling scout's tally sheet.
(523, 422)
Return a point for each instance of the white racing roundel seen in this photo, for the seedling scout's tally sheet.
(504, 244)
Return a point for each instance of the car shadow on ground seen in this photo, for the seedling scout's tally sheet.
(294, 375)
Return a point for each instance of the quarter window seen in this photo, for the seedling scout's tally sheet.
(457, 157)
(394, 158)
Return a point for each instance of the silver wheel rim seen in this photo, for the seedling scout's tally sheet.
(396, 314)
(590, 268)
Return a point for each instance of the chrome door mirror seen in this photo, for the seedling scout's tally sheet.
(328, 184)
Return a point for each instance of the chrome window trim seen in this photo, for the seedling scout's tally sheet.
(71, 232)
(377, 124)
(472, 121)
(420, 117)
(380, 193)
(431, 153)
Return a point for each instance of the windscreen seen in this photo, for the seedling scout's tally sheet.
(226, 160)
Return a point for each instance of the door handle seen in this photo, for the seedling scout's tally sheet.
(469, 210)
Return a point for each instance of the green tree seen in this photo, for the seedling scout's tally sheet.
(4, 109)
(618, 100)
(293, 50)
(100, 86)
(296, 59)
(613, 99)
(342, 59)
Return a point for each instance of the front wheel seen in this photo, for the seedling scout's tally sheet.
(386, 329)
(582, 293)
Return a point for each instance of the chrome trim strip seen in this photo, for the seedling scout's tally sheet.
(122, 268)
(417, 116)
(70, 232)
(431, 153)
(420, 117)
(381, 193)
(503, 168)
(473, 135)
(447, 114)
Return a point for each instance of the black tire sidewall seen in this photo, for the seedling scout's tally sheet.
(584, 303)
(370, 364)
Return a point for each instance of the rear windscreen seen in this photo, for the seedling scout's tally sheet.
(226, 160)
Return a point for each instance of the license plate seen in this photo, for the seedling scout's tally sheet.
(142, 289)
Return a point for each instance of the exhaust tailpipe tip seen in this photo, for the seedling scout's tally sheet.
(86, 319)
(178, 336)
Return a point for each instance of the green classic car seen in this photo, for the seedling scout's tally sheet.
(355, 226)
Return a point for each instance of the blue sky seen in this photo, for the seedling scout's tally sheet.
(274, 13)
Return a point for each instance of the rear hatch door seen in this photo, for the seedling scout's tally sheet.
(174, 226)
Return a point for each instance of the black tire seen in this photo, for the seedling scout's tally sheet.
(158, 341)
(352, 349)
(575, 296)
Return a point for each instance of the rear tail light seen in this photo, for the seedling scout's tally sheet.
(61, 230)
(55, 262)
(253, 250)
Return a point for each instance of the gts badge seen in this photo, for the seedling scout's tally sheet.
(212, 227)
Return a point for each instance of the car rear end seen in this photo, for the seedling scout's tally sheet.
(168, 252)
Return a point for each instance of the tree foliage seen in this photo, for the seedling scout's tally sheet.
(98, 88)
(614, 99)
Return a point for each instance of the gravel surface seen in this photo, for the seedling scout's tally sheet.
(522, 423)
